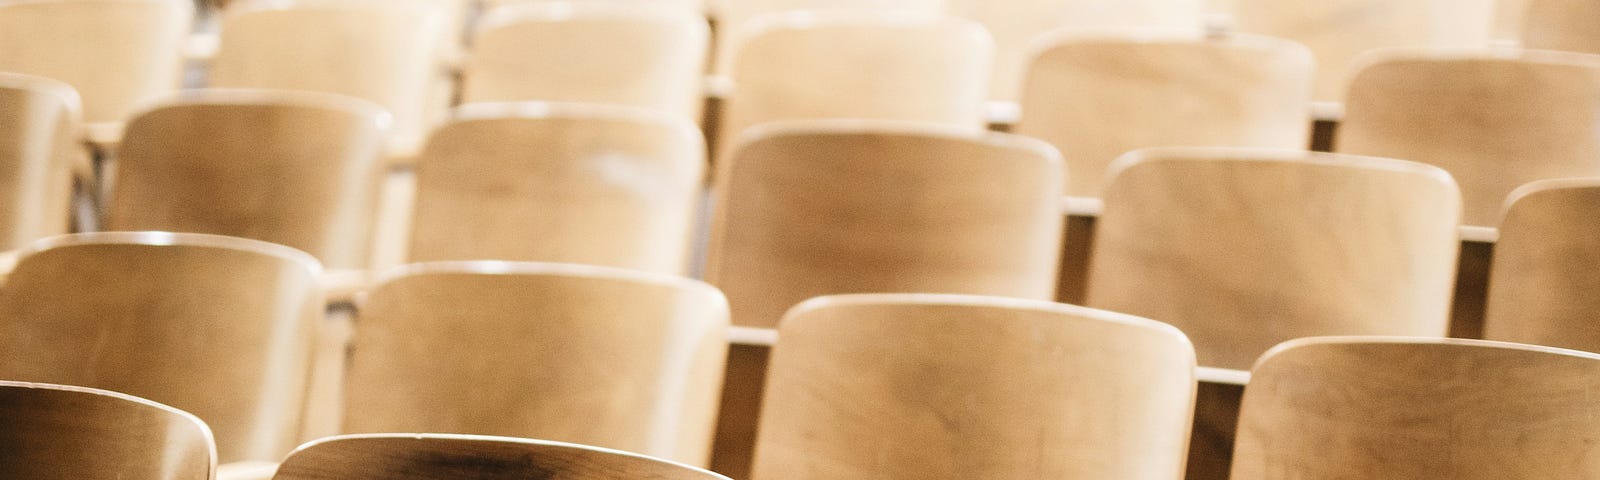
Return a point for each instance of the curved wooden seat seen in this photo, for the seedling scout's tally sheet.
(57, 432)
(39, 154)
(1542, 285)
(735, 17)
(464, 457)
(1561, 25)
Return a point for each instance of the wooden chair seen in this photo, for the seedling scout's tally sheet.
(1541, 287)
(1495, 122)
(40, 151)
(734, 17)
(1096, 97)
(1243, 249)
(1017, 26)
(595, 52)
(973, 387)
(606, 357)
(1419, 409)
(560, 183)
(382, 51)
(818, 208)
(295, 168)
(467, 457)
(1561, 25)
(804, 66)
(218, 326)
(57, 432)
(1338, 31)
(118, 54)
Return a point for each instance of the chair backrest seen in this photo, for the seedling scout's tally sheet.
(469, 457)
(39, 151)
(623, 54)
(57, 432)
(1243, 249)
(383, 51)
(217, 326)
(116, 53)
(734, 16)
(1418, 409)
(1337, 31)
(560, 183)
(1562, 25)
(803, 66)
(1017, 26)
(577, 353)
(296, 168)
(1096, 97)
(1495, 122)
(914, 386)
(1542, 284)
(820, 208)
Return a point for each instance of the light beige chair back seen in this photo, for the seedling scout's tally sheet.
(470, 457)
(1420, 409)
(736, 16)
(295, 168)
(606, 357)
(40, 129)
(804, 66)
(118, 54)
(912, 386)
(1542, 284)
(596, 52)
(1243, 249)
(687, 5)
(1096, 97)
(221, 327)
(1337, 31)
(57, 432)
(821, 208)
(1017, 26)
(1494, 122)
(378, 50)
(560, 183)
(1562, 25)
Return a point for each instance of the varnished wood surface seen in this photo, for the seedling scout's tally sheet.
(118, 54)
(1494, 121)
(462, 457)
(1562, 25)
(1419, 409)
(594, 52)
(973, 387)
(1096, 97)
(1243, 249)
(217, 326)
(735, 18)
(817, 208)
(577, 353)
(55, 432)
(1543, 283)
(40, 124)
(301, 169)
(571, 183)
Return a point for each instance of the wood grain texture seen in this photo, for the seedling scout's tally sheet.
(973, 387)
(1494, 122)
(1096, 97)
(1562, 25)
(40, 127)
(302, 169)
(599, 356)
(1542, 284)
(594, 52)
(55, 432)
(560, 183)
(463, 457)
(812, 209)
(217, 326)
(1243, 249)
(118, 54)
(1419, 409)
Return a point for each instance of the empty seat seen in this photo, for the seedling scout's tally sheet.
(1243, 249)
(39, 153)
(1562, 25)
(1542, 284)
(606, 357)
(463, 457)
(1096, 97)
(1494, 121)
(908, 386)
(593, 52)
(221, 327)
(819, 208)
(1326, 408)
(57, 432)
(296, 168)
(735, 16)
